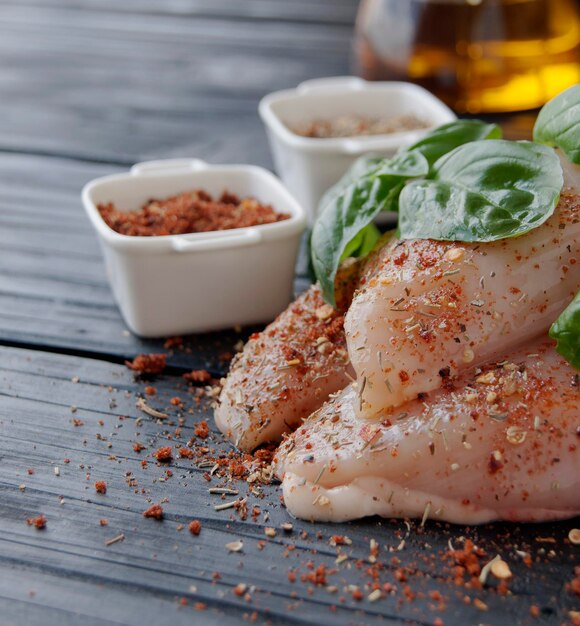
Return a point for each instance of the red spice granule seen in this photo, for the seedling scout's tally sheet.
(172, 342)
(175, 401)
(38, 522)
(240, 589)
(357, 595)
(317, 576)
(198, 376)
(101, 486)
(200, 606)
(150, 391)
(401, 575)
(148, 363)
(190, 212)
(338, 540)
(186, 453)
(155, 511)
(574, 585)
(467, 562)
(137, 447)
(195, 527)
(30, 471)
(163, 454)
(103, 522)
(201, 430)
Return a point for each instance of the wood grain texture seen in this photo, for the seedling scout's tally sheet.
(324, 11)
(88, 87)
(141, 579)
(101, 85)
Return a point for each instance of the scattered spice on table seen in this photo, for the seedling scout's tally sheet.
(155, 511)
(101, 486)
(190, 212)
(148, 363)
(163, 454)
(198, 376)
(113, 540)
(358, 125)
(201, 430)
(378, 572)
(38, 522)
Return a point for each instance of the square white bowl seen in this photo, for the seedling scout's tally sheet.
(310, 166)
(177, 284)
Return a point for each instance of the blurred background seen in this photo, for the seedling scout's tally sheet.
(118, 82)
(477, 55)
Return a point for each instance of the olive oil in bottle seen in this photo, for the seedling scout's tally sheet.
(477, 55)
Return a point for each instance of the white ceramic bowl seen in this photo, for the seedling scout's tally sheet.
(177, 284)
(309, 166)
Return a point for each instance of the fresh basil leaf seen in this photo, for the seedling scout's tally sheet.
(348, 213)
(362, 243)
(361, 167)
(558, 123)
(566, 331)
(449, 136)
(483, 191)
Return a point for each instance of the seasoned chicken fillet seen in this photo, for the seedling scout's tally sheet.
(435, 308)
(498, 443)
(288, 370)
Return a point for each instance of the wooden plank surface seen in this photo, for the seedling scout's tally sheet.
(142, 579)
(324, 11)
(87, 87)
(100, 85)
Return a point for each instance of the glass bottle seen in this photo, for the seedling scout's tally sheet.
(477, 55)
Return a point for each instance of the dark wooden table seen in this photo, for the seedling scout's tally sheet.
(88, 87)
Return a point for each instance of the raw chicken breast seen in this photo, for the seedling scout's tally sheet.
(287, 371)
(502, 443)
(434, 308)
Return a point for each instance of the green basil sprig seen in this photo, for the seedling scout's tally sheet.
(373, 184)
(483, 191)
(558, 123)
(348, 213)
(449, 136)
(566, 331)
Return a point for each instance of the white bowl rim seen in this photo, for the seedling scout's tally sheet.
(224, 239)
(348, 84)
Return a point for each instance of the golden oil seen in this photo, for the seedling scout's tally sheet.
(477, 55)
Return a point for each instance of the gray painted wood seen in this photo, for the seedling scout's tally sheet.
(68, 569)
(87, 87)
(122, 87)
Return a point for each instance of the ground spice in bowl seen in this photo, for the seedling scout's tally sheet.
(358, 125)
(190, 212)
